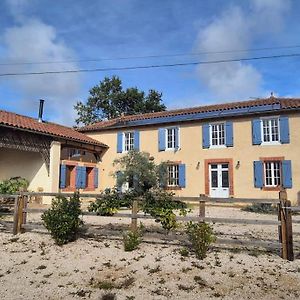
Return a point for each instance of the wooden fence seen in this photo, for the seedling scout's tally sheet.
(284, 223)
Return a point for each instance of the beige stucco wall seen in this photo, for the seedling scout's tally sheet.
(191, 152)
(25, 164)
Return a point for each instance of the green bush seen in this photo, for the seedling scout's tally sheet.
(261, 208)
(131, 240)
(201, 236)
(63, 219)
(13, 185)
(110, 202)
(161, 205)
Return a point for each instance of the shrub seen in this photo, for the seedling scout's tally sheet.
(201, 236)
(261, 208)
(13, 185)
(63, 219)
(161, 205)
(131, 240)
(110, 202)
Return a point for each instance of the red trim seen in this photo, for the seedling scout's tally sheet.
(228, 161)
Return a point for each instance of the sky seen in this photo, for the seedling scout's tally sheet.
(61, 34)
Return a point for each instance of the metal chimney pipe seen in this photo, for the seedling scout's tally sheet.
(41, 109)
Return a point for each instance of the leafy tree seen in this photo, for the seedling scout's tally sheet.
(109, 100)
(140, 169)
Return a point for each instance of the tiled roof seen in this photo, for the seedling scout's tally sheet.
(284, 103)
(26, 123)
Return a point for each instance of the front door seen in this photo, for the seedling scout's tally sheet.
(219, 180)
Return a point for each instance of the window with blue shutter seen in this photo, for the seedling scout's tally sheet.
(284, 130)
(137, 140)
(181, 171)
(205, 136)
(96, 176)
(229, 133)
(119, 142)
(256, 132)
(287, 181)
(161, 139)
(62, 176)
(258, 174)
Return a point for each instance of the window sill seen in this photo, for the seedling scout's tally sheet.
(69, 189)
(271, 188)
(173, 188)
(218, 147)
(270, 143)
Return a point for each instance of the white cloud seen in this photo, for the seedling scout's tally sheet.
(237, 29)
(34, 41)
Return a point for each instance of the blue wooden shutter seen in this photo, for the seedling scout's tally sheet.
(229, 133)
(284, 130)
(137, 140)
(176, 137)
(181, 171)
(161, 139)
(78, 177)
(256, 132)
(96, 175)
(205, 136)
(258, 174)
(119, 142)
(62, 177)
(83, 177)
(287, 181)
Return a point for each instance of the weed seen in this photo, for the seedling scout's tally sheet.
(185, 287)
(109, 296)
(155, 270)
(131, 240)
(254, 252)
(162, 281)
(184, 252)
(41, 267)
(185, 270)
(200, 281)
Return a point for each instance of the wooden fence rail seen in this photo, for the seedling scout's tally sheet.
(284, 222)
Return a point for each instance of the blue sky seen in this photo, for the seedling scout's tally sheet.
(45, 30)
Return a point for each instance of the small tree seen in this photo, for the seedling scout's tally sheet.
(140, 169)
(63, 219)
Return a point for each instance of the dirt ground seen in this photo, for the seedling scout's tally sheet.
(96, 265)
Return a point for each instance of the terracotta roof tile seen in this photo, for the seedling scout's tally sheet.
(26, 123)
(285, 103)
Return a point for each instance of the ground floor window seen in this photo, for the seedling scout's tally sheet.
(173, 175)
(272, 173)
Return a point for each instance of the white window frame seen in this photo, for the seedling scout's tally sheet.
(218, 133)
(130, 145)
(270, 130)
(166, 138)
(173, 180)
(273, 167)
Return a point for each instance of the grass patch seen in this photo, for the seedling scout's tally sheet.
(261, 208)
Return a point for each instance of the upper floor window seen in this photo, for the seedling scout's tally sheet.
(76, 152)
(270, 130)
(128, 141)
(168, 138)
(217, 134)
(173, 175)
(171, 138)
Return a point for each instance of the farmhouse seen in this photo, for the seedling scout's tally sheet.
(242, 149)
(48, 155)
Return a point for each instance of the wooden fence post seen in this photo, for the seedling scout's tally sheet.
(201, 210)
(133, 216)
(285, 229)
(16, 219)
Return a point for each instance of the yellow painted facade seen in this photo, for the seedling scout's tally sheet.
(191, 153)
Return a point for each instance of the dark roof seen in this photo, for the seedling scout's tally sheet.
(271, 103)
(26, 123)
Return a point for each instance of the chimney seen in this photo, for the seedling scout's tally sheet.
(40, 118)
